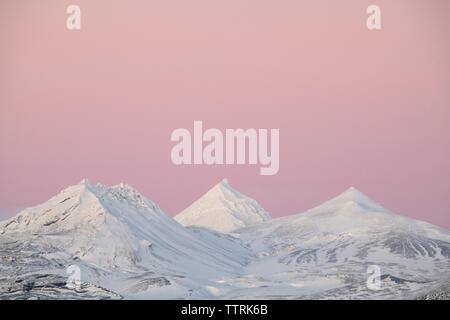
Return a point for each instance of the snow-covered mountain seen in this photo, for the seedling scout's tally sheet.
(325, 252)
(223, 209)
(126, 247)
(123, 241)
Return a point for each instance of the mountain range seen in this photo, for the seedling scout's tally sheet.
(223, 246)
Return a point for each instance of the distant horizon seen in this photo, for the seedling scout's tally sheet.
(7, 216)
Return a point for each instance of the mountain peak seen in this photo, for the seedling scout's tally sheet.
(223, 184)
(77, 189)
(354, 195)
(85, 181)
(223, 189)
(223, 209)
(121, 191)
(85, 204)
(352, 203)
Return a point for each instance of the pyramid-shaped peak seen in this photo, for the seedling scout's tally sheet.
(85, 181)
(224, 183)
(223, 209)
(223, 189)
(352, 192)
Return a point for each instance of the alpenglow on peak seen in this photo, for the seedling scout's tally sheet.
(223, 209)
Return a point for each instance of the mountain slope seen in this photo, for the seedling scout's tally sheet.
(350, 214)
(326, 251)
(223, 209)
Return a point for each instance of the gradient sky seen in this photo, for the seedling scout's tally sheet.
(361, 108)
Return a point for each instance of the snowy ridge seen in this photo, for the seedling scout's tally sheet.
(330, 246)
(127, 247)
(223, 209)
(351, 212)
(89, 202)
(115, 232)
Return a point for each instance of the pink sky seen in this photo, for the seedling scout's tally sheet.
(361, 108)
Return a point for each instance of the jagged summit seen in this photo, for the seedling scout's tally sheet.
(84, 205)
(100, 188)
(223, 209)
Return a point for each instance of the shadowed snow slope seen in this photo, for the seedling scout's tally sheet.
(223, 209)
